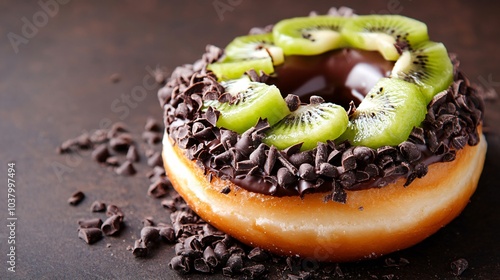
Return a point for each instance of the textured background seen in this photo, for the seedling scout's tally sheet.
(54, 84)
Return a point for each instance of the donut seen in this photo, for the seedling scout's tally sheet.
(375, 155)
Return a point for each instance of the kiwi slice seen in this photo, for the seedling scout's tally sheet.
(249, 102)
(426, 65)
(309, 35)
(228, 70)
(309, 124)
(387, 114)
(254, 47)
(382, 32)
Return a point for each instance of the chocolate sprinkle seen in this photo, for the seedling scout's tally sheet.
(90, 235)
(159, 188)
(90, 223)
(150, 235)
(292, 101)
(76, 198)
(459, 266)
(112, 225)
(98, 206)
(100, 153)
(132, 154)
(126, 169)
(140, 249)
(167, 233)
(114, 210)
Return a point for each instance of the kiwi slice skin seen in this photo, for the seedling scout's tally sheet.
(309, 124)
(254, 47)
(387, 115)
(381, 32)
(230, 70)
(253, 101)
(309, 35)
(427, 65)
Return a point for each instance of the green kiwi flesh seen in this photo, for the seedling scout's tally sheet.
(309, 124)
(382, 32)
(253, 101)
(387, 114)
(426, 65)
(230, 70)
(254, 47)
(309, 35)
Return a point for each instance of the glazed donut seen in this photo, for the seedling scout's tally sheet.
(372, 179)
(373, 222)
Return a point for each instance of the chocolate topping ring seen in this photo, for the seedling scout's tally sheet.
(450, 124)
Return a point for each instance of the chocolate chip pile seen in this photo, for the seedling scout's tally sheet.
(91, 230)
(450, 124)
(116, 148)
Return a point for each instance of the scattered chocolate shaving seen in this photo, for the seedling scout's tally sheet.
(159, 188)
(121, 142)
(126, 169)
(233, 265)
(459, 266)
(169, 204)
(90, 235)
(210, 257)
(167, 234)
(132, 154)
(90, 223)
(115, 78)
(148, 222)
(150, 235)
(257, 254)
(112, 161)
(100, 153)
(140, 249)
(98, 206)
(83, 141)
(390, 262)
(76, 198)
(201, 265)
(114, 210)
(179, 264)
(112, 225)
(254, 271)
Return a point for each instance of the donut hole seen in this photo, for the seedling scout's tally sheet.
(338, 76)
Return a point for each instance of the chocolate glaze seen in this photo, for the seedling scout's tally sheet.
(338, 76)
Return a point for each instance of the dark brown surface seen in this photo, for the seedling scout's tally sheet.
(58, 84)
